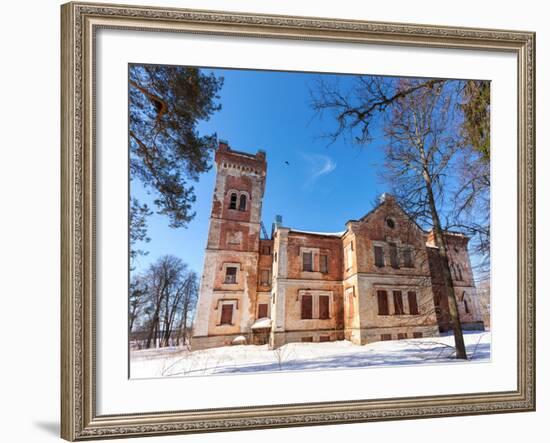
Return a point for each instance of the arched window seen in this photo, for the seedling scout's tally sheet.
(242, 203)
(233, 201)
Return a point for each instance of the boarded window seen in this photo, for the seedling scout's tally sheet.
(417, 334)
(266, 250)
(265, 275)
(394, 258)
(350, 302)
(307, 259)
(398, 303)
(385, 337)
(379, 256)
(466, 307)
(262, 310)
(408, 258)
(413, 304)
(349, 256)
(323, 338)
(324, 307)
(242, 203)
(401, 336)
(307, 339)
(233, 201)
(231, 275)
(323, 263)
(307, 306)
(227, 314)
(383, 302)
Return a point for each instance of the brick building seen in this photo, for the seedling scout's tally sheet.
(378, 279)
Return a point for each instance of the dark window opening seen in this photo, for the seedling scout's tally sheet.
(385, 337)
(227, 314)
(307, 339)
(413, 303)
(408, 258)
(379, 256)
(266, 250)
(459, 269)
(242, 203)
(417, 334)
(394, 258)
(231, 275)
(401, 336)
(390, 223)
(323, 338)
(233, 201)
(324, 307)
(265, 277)
(262, 310)
(383, 303)
(307, 307)
(323, 263)
(398, 303)
(307, 259)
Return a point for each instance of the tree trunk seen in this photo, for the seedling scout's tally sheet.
(447, 278)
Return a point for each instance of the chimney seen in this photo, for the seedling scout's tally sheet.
(277, 223)
(385, 197)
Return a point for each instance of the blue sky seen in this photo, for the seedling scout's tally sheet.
(322, 187)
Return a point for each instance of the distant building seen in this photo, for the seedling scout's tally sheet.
(379, 279)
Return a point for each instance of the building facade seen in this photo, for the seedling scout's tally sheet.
(378, 279)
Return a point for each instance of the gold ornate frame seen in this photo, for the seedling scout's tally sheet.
(79, 420)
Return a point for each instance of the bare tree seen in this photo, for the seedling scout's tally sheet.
(137, 299)
(421, 128)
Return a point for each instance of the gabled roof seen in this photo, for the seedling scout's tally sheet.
(387, 201)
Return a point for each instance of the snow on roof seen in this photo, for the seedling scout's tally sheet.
(262, 323)
(331, 234)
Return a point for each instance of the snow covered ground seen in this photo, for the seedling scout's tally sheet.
(167, 362)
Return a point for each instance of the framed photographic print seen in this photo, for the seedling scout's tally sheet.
(282, 221)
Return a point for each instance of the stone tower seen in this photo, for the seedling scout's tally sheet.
(228, 292)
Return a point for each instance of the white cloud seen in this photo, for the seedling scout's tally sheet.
(317, 166)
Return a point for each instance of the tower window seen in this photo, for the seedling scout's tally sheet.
(231, 275)
(233, 201)
(242, 203)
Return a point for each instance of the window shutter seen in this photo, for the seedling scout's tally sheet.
(307, 306)
(227, 314)
(262, 310)
(379, 256)
(382, 303)
(307, 265)
(398, 302)
(413, 304)
(324, 307)
(407, 258)
(323, 263)
(394, 258)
